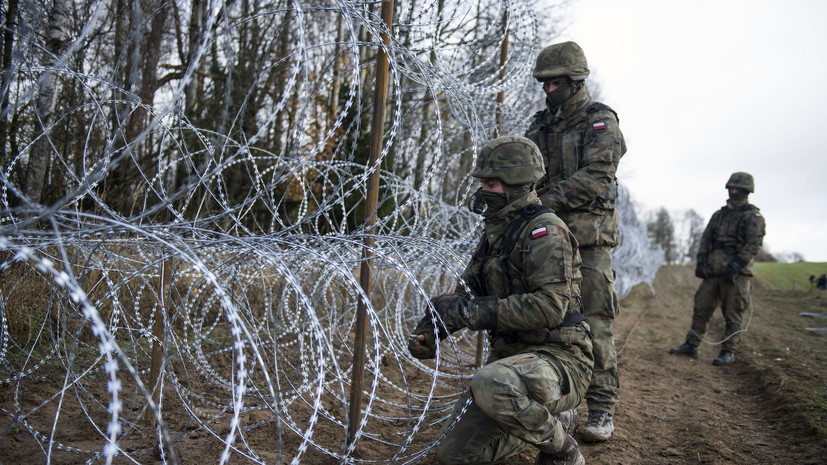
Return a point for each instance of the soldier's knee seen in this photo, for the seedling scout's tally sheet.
(446, 453)
(480, 380)
(442, 455)
(485, 379)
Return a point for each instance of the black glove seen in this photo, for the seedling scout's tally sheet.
(422, 343)
(733, 268)
(481, 313)
(454, 313)
(458, 312)
(423, 340)
(701, 268)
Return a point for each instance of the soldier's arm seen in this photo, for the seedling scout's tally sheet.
(603, 146)
(754, 239)
(548, 268)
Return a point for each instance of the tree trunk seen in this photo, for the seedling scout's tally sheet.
(124, 185)
(8, 73)
(192, 89)
(424, 156)
(40, 154)
(149, 72)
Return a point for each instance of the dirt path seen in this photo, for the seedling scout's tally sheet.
(676, 410)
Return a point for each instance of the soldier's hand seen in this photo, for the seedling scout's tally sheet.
(422, 342)
(729, 273)
(702, 270)
(422, 345)
(732, 269)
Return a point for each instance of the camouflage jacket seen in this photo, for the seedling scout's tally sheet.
(537, 284)
(582, 146)
(734, 231)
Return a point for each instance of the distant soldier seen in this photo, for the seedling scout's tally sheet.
(730, 241)
(582, 146)
(524, 280)
(821, 282)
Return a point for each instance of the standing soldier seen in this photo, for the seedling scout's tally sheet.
(524, 283)
(730, 241)
(582, 146)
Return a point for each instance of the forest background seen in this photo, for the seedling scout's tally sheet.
(188, 178)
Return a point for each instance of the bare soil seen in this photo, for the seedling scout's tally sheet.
(679, 410)
(768, 407)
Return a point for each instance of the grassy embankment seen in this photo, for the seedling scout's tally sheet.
(787, 351)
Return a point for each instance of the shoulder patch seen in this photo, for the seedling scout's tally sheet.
(758, 214)
(539, 232)
(599, 125)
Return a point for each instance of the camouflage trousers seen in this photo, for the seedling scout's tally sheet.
(600, 306)
(734, 298)
(510, 405)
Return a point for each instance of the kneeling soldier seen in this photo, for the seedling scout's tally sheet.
(524, 281)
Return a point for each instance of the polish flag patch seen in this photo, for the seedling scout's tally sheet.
(539, 232)
(599, 125)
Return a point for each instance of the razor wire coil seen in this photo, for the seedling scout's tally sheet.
(259, 313)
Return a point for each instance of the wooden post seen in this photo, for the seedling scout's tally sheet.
(503, 60)
(377, 133)
(158, 332)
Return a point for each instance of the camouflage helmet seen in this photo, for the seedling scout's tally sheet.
(513, 160)
(741, 180)
(563, 59)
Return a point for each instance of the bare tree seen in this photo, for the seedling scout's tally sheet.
(10, 27)
(662, 234)
(694, 227)
(40, 154)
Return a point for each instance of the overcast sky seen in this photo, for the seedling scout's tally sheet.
(705, 88)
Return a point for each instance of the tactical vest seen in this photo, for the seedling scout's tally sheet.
(596, 222)
(730, 234)
(496, 273)
(566, 147)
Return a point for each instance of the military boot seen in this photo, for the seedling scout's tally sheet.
(599, 427)
(568, 455)
(569, 420)
(686, 349)
(724, 358)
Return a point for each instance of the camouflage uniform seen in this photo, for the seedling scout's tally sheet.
(582, 145)
(729, 243)
(541, 355)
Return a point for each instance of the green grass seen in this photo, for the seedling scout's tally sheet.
(788, 276)
(796, 364)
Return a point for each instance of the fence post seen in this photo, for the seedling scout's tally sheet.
(158, 333)
(377, 133)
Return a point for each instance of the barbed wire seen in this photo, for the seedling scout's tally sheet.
(258, 304)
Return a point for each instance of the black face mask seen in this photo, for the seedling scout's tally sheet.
(495, 201)
(560, 95)
(738, 195)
